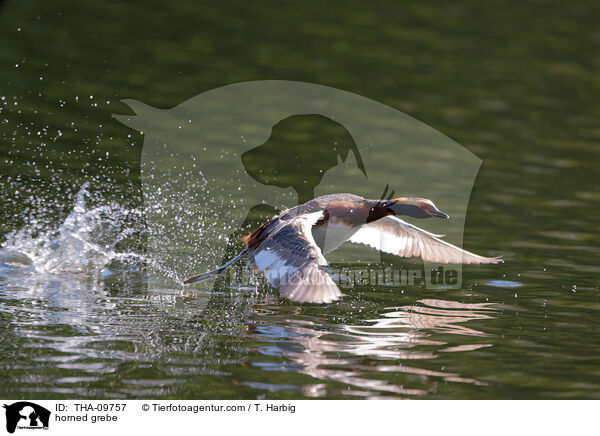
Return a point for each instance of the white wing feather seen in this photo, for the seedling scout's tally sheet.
(395, 236)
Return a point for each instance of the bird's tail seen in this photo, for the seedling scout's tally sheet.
(219, 270)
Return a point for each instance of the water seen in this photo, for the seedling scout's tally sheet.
(81, 311)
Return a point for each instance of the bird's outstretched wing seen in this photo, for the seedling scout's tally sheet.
(292, 262)
(395, 236)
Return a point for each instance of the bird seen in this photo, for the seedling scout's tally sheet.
(289, 249)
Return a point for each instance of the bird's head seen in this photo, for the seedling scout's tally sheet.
(414, 207)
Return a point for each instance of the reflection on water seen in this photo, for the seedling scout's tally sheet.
(357, 355)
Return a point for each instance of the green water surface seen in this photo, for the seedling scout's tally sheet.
(516, 85)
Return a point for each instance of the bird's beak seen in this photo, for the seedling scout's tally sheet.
(438, 214)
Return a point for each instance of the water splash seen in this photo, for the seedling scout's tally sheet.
(86, 242)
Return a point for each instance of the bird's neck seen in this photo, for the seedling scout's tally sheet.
(377, 212)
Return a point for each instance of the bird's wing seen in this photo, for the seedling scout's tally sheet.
(292, 262)
(395, 236)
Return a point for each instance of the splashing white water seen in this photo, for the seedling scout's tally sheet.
(85, 242)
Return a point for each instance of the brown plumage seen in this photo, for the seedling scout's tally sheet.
(286, 250)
